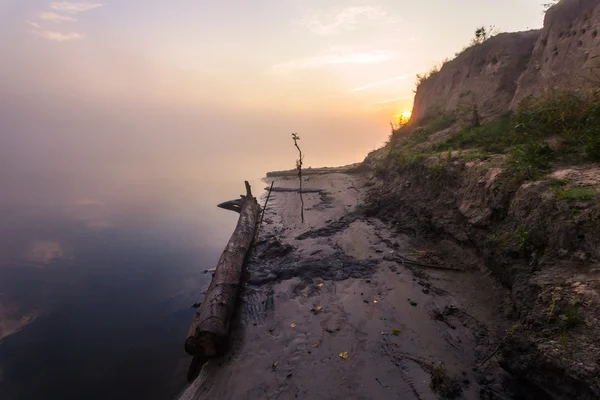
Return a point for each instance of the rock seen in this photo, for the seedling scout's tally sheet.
(580, 256)
(563, 253)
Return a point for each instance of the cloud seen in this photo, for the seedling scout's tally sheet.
(34, 25)
(393, 100)
(346, 19)
(383, 82)
(54, 17)
(58, 36)
(74, 7)
(372, 57)
(50, 16)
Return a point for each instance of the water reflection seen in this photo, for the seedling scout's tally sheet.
(95, 291)
(41, 252)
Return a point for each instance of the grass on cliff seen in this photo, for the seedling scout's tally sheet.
(577, 193)
(556, 127)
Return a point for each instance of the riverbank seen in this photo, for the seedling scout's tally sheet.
(345, 306)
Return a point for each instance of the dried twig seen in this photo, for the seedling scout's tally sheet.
(295, 137)
(264, 209)
(401, 259)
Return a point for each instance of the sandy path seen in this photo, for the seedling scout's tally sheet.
(395, 322)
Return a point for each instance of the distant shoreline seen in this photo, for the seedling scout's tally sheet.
(316, 171)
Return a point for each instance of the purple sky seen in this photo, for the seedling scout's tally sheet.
(134, 87)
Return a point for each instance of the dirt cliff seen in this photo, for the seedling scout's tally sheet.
(521, 188)
(567, 49)
(497, 74)
(485, 75)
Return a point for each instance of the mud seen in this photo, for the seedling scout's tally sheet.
(317, 290)
(543, 248)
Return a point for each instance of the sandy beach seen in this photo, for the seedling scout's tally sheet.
(344, 306)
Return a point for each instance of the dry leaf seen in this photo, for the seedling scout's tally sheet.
(292, 325)
(316, 344)
(375, 301)
(395, 332)
(320, 284)
(344, 355)
(317, 309)
(275, 364)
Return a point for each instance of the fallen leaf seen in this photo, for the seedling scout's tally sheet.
(320, 284)
(344, 355)
(316, 344)
(375, 301)
(317, 309)
(385, 333)
(305, 294)
(292, 325)
(275, 364)
(395, 332)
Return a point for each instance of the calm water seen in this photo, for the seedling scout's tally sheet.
(96, 285)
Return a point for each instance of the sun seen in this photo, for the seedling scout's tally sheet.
(402, 117)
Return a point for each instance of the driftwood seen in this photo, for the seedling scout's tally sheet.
(208, 333)
(294, 190)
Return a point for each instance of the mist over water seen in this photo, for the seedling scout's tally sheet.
(108, 219)
(113, 157)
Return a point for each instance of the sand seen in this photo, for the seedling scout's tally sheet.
(330, 311)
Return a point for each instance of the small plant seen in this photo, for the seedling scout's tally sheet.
(530, 160)
(476, 121)
(296, 138)
(445, 386)
(551, 4)
(432, 71)
(436, 169)
(483, 33)
(442, 122)
(522, 237)
(551, 311)
(513, 329)
(563, 338)
(449, 153)
(572, 318)
(474, 155)
(578, 193)
(557, 183)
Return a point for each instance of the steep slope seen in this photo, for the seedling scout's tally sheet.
(484, 75)
(567, 52)
(523, 189)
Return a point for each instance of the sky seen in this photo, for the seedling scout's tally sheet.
(113, 89)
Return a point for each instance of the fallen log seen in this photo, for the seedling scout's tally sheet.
(208, 334)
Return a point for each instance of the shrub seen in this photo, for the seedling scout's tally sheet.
(438, 124)
(493, 137)
(572, 318)
(578, 193)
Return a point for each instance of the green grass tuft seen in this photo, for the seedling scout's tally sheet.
(557, 183)
(577, 193)
(572, 318)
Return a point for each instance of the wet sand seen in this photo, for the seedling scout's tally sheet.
(340, 283)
